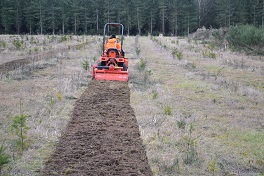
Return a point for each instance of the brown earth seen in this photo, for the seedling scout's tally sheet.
(102, 137)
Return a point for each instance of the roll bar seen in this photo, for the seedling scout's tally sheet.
(115, 25)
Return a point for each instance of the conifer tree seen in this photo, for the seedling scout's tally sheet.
(127, 14)
(189, 20)
(139, 15)
(52, 16)
(7, 16)
(174, 10)
(162, 9)
(225, 12)
(240, 12)
(29, 16)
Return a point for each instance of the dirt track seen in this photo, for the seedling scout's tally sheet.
(102, 137)
(14, 64)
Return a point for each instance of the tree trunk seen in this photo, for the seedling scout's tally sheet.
(63, 26)
(263, 15)
(128, 18)
(17, 20)
(188, 30)
(163, 21)
(22, 140)
(30, 20)
(138, 23)
(30, 26)
(229, 15)
(176, 18)
(199, 13)
(97, 20)
(151, 22)
(128, 29)
(176, 23)
(108, 16)
(40, 18)
(86, 23)
(75, 24)
(53, 20)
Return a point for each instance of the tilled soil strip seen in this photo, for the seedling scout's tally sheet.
(102, 137)
(12, 65)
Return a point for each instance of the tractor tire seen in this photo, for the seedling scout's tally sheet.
(99, 64)
(124, 67)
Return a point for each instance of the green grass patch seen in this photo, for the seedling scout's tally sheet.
(249, 143)
(186, 85)
(192, 85)
(213, 68)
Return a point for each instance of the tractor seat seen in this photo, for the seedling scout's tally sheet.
(112, 52)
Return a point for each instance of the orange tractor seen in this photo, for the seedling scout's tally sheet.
(112, 64)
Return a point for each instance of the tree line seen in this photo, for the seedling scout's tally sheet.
(170, 17)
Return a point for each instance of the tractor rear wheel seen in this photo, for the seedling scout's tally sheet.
(101, 64)
(124, 67)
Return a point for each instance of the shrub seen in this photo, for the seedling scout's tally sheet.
(247, 37)
(155, 95)
(63, 38)
(4, 158)
(167, 110)
(59, 96)
(212, 166)
(2, 43)
(20, 129)
(217, 34)
(212, 55)
(33, 40)
(181, 123)
(191, 152)
(142, 64)
(137, 51)
(193, 66)
(174, 52)
(53, 38)
(171, 168)
(18, 44)
(85, 65)
(179, 55)
(146, 75)
(209, 53)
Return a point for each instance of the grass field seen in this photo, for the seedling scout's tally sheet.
(199, 107)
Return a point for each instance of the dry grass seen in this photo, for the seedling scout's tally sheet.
(224, 105)
(198, 115)
(48, 88)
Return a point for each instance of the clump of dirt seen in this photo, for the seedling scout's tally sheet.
(102, 137)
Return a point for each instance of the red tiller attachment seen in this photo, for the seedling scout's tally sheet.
(110, 72)
(109, 75)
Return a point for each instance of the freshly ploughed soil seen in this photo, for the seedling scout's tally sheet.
(102, 137)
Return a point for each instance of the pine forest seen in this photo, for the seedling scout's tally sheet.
(169, 17)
